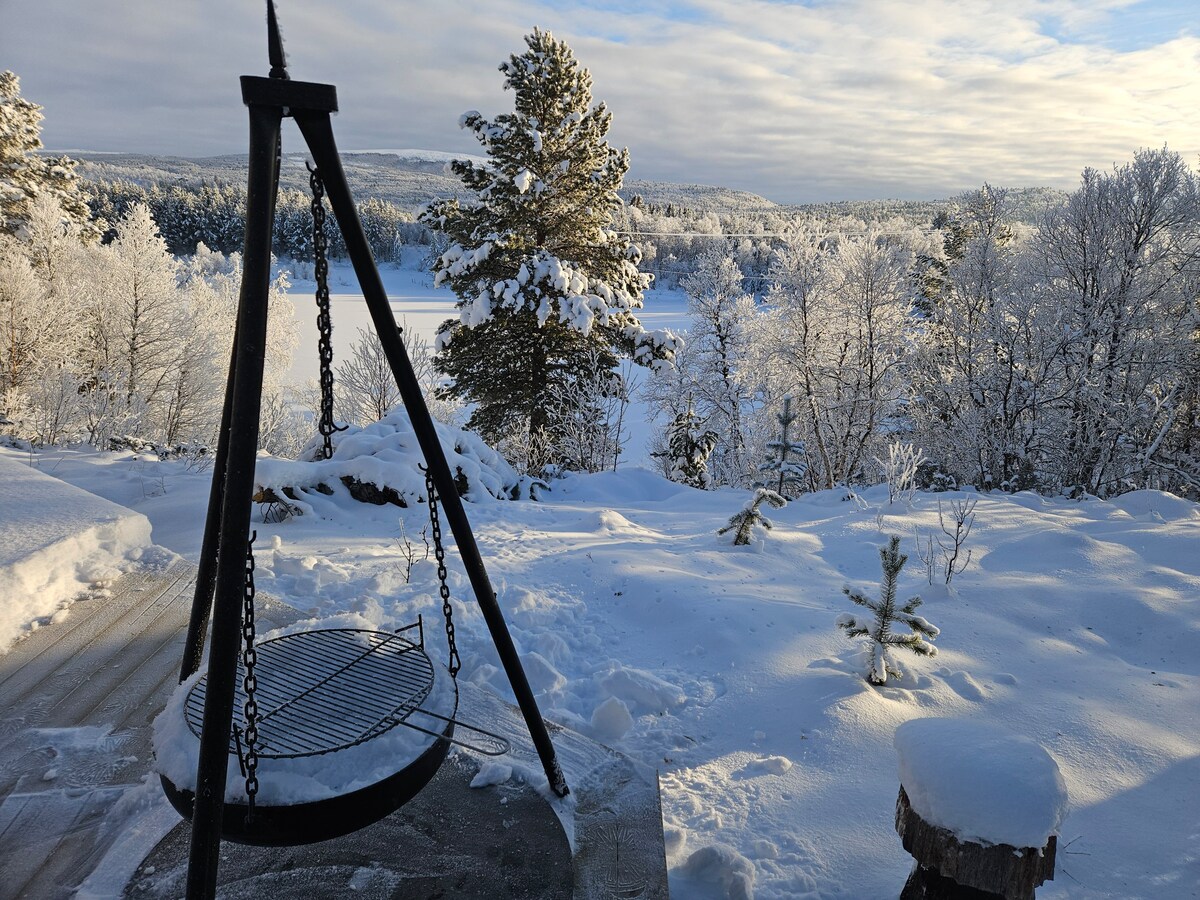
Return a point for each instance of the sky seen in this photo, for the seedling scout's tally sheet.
(795, 101)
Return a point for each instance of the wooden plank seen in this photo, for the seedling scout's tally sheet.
(139, 641)
(70, 658)
(57, 789)
(46, 838)
(40, 652)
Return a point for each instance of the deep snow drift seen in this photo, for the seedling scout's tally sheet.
(1075, 625)
(46, 557)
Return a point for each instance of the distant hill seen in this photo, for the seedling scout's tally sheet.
(1028, 204)
(700, 197)
(408, 182)
(411, 178)
(408, 178)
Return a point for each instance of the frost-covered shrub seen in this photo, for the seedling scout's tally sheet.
(899, 470)
(878, 628)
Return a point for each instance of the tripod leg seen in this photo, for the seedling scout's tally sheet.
(206, 574)
(235, 503)
(318, 133)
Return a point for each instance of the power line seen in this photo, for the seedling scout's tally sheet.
(771, 234)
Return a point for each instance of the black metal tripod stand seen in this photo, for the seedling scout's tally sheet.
(222, 562)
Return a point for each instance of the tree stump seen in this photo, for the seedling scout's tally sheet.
(950, 869)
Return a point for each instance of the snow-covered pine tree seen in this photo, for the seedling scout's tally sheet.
(689, 445)
(749, 516)
(881, 640)
(540, 275)
(784, 473)
(23, 173)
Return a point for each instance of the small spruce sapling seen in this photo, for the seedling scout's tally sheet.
(689, 445)
(749, 516)
(785, 476)
(881, 640)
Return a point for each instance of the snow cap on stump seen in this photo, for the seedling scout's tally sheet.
(980, 782)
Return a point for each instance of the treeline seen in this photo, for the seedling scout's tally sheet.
(673, 237)
(214, 214)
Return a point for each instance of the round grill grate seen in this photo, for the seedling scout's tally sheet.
(326, 690)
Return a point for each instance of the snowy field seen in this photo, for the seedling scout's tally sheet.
(1076, 624)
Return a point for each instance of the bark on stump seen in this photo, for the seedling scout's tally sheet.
(950, 869)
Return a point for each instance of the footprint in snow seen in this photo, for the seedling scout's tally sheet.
(769, 765)
(962, 684)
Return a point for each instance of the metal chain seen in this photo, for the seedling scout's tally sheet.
(324, 325)
(439, 552)
(250, 682)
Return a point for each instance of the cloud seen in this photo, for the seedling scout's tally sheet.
(795, 101)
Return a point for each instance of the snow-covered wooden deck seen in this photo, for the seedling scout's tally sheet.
(77, 699)
(76, 702)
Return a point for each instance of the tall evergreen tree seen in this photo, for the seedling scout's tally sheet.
(23, 173)
(540, 274)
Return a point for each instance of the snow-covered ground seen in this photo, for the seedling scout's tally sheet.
(47, 557)
(1076, 624)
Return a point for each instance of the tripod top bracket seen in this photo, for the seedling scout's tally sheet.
(291, 96)
(279, 90)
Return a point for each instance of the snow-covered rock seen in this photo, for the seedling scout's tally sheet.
(386, 457)
(722, 865)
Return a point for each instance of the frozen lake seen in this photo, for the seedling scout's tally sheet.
(421, 308)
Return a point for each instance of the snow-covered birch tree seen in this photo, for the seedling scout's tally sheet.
(984, 370)
(1115, 259)
(836, 333)
(721, 384)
